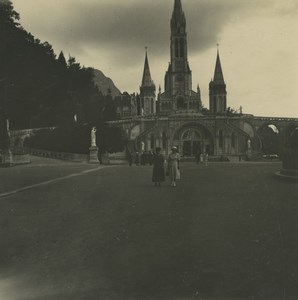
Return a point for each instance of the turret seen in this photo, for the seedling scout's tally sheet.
(147, 90)
(217, 90)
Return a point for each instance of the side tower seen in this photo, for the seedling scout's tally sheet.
(217, 90)
(147, 91)
(178, 92)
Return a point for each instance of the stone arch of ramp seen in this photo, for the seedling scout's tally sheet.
(283, 125)
(18, 136)
(249, 128)
(289, 129)
(270, 137)
(192, 137)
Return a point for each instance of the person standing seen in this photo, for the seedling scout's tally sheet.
(158, 175)
(143, 158)
(150, 157)
(201, 158)
(129, 158)
(137, 159)
(173, 165)
(198, 154)
(206, 159)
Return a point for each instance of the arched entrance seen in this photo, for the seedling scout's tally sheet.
(191, 142)
(193, 138)
(270, 138)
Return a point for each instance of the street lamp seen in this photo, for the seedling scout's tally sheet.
(4, 126)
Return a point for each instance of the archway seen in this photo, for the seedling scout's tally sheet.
(191, 142)
(193, 138)
(270, 138)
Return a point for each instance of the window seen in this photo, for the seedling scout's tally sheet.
(233, 140)
(152, 141)
(181, 47)
(176, 48)
(164, 140)
(220, 139)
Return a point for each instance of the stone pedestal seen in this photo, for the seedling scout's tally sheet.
(288, 175)
(6, 159)
(289, 169)
(93, 155)
(105, 159)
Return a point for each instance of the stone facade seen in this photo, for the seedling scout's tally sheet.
(178, 94)
(180, 120)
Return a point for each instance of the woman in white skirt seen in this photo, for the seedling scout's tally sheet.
(173, 165)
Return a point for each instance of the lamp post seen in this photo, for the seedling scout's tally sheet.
(6, 155)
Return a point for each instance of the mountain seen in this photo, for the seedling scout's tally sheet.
(104, 83)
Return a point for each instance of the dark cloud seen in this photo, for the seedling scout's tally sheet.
(124, 28)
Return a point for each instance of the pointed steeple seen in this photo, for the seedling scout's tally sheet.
(217, 90)
(147, 81)
(177, 7)
(147, 90)
(218, 74)
(178, 21)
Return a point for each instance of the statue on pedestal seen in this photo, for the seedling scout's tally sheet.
(93, 154)
(142, 146)
(93, 137)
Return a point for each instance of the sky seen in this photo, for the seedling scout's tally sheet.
(258, 42)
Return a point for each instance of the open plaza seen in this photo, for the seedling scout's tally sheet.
(177, 191)
(81, 231)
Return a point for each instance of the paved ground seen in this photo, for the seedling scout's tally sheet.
(227, 231)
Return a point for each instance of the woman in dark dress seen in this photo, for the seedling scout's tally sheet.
(158, 175)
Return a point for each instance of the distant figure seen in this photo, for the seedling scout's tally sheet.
(129, 158)
(201, 158)
(150, 158)
(240, 157)
(198, 157)
(248, 144)
(173, 165)
(206, 159)
(158, 175)
(143, 159)
(93, 137)
(137, 159)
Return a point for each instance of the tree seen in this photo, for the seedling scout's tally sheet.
(9, 16)
(42, 90)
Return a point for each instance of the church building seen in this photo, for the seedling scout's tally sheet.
(175, 117)
(178, 94)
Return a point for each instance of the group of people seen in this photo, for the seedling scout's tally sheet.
(162, 167)
(202, 158)
(142, 158)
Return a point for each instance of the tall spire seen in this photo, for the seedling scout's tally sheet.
(177, 7)
(218, 74)
(217, 90)
(147, 90)
(147, 81)
(178, 21)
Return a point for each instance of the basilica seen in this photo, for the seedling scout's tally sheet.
(176, 117)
